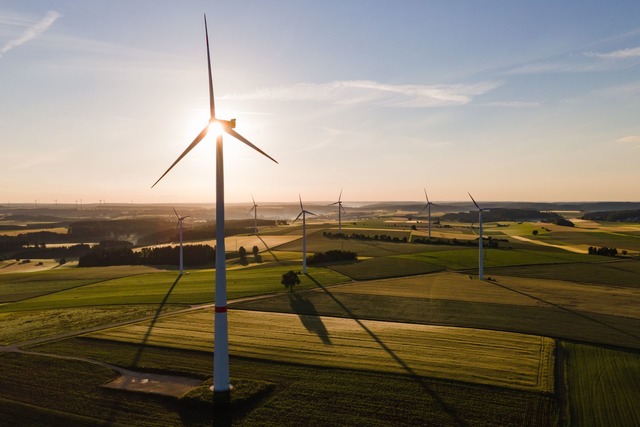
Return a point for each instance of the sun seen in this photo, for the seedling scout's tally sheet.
(215, 129)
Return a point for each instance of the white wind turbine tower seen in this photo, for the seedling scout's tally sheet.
(179, 225)
(428, 208)
(480, 257)
(340, 210)
(303, 213)
(254, 208)
(221, 384)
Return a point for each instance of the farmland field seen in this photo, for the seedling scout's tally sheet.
(469, 355)
(328, 396)
(409, 342)
(154, 288)
(592, 374)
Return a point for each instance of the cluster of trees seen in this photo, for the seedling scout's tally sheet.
(603, 251)
(101, 256)
(564, 222)
(42, 252)
(242, 254)
(488, 241)
(333, 255)
(614, 216)
(359, 236)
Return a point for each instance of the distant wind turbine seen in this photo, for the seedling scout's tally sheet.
(221, 384)
(480, 258)
(179, 225)
(303, 213)
(340, 210)
(428, 208)
(254, 208)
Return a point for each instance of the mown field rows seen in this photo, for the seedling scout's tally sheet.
(470, 355)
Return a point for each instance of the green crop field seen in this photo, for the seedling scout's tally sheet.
(158, 287)
(572, 311)
(603, 386)
(628, 241)
(22, 326)
(471, 355)
(19, 286)
(468, 258)
(380, 267)
(601, 270)
(316, 242)
(327, 396)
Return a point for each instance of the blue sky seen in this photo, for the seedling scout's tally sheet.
(519, 101)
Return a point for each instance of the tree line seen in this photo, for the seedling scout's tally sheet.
(193, 255)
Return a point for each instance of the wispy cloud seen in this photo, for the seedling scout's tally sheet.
(631, 139)
(633, 52)
(368, 91)
(511, 104)
(31, 32)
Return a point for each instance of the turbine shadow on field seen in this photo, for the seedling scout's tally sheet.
(270, 251)
(456, 419)
(143, 344)
(309, 316)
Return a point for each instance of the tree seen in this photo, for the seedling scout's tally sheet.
(290, 279)
(256, 256)
(243, 255)
(534, 232)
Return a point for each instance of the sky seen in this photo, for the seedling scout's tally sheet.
(509, 100)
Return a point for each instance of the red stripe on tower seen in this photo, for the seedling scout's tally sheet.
(221, 309)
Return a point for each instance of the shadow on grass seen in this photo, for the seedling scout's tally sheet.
(309, 316)
(143, 344)
(457, 420)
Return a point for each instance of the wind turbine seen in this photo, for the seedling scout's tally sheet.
(428, 207)
(480, 258)
(303, 213)
(221, 384)
(254, 208)
(179, 225)
(340, 210)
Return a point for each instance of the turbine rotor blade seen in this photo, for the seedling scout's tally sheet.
(301, 207)
(195, 142)
(239, 137)
(422, 210)
(211, 102)
(474, 202)
(311, 213)
(299, 215)
(251, 210)
(340, 196)
(331, 204)
(174, 211)
(426, 197)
